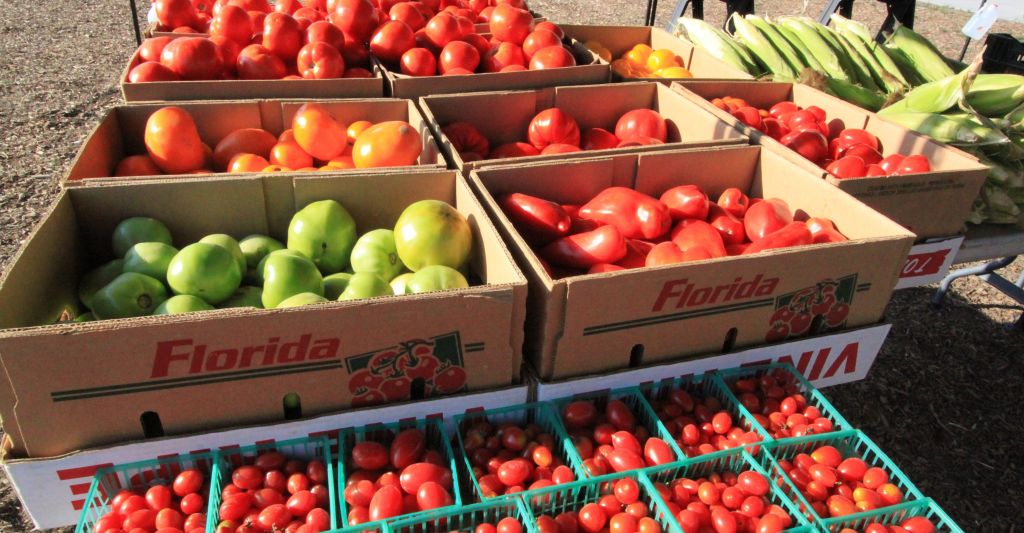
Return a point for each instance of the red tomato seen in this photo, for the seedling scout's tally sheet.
(227, 52)
(891, 163)
(766, 217)
(539, 39)
(418, 62)
(357, 18)
(539, 220)
(692, 233)
(686, 201)
(255, 62)
(782, 108)
(322, 31)
(584, 250)
(459, 54)
(808, 143)
(192, 58)
(151, 71)
(301, 503)
(407, 447)
(559, 149)
(592, 518)
(642, 123)
(553, 126)
(509, 525)
(317, 61)
(858, 136)
(658, 452)
(914, 164)
(734, 201)
(191, 504)
(297, 482)
(621, 460)
(749, 116)
(151, 48)
(247, 477)
(369, 455)
(408, 14)
(514, 472)
(579, 414)
(504, 55)
(174, 13)
(517, 149)
(550, 26)
(442, 29)
(466, 138)
(552, 57)
(729, 227)
(510, 24)
(158, 497)
(416, 474)
(386, 503)
(282, 36)
(232, 22)
(863, 151)
(274, 517)
(391, 40)
(598, 139)
(824, 230)
(849, 166)
(235, 507)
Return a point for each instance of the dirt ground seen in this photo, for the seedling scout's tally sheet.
(939, 400)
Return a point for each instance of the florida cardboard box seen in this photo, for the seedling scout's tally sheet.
(505, 117)
(588, 70)
(122, 130)
(620, 39)
(932, 204)
(69, 386)
(602, 322)
(53, 489)
(246, 89)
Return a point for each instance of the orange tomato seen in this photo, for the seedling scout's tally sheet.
(275, 168)
(341, 162)
(242, 141)
(173, 142)
(247, 163)
(290, 154)
(137, 165)
(387, 144)
(318, 132)
(357, 127)
(286, 135)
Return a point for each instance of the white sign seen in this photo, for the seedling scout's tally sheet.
(929, 262)
(982, 21)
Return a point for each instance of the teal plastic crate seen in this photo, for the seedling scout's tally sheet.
(634, 399)
(368, 527)
(464, 518)
(540, 413)
(895, 515)
(736, 460)
(702, 386)
(849, 443)
(384, 434)
(813, 396)
(558, 499)
(137, 476)
(306, 448)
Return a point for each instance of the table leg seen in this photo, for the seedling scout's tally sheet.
(135, 22)
(986, 273)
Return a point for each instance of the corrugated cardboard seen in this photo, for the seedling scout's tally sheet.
(593, 106)
(53, 489)
(71, 386)
(246, 89)
(620, 39)
(121, 132)
(603, 322)
(933, 204)
(589, 69)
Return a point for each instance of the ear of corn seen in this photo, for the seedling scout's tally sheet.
(938, 127)
(855, 94)
(845, 60)
(921, 55)
(864, 74)
(704, 36)
(817, 46)
(748, 35)
(883, 80)
(779, 42)
(995, 95)
(887, 72)
(936, 96)
(798, 45)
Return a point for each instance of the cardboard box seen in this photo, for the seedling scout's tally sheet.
(588, 70)
(69, 386)
(933, 204)
(621, 39)
(52, 490)
(122, 131)
(593, 106)
(603, 322)
(246, 89)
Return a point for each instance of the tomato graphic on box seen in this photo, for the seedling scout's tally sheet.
(828, 301)
(415, 368)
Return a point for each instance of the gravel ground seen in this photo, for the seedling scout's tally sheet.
(938, 400)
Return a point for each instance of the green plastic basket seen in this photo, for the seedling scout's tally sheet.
(849, 443)
(894, 515)
(305, 448)
(464, 518)
(384, 434)
(736, 460)
(703, 386)
(136, 476)
(540, 413)
(558, 499)
(368, 527)
(634, 399)
(813, 396)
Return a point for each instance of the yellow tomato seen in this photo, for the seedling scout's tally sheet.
(599, 49)
(674, 72)
(663, 58)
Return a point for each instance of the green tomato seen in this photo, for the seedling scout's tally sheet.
(97, 278)
(204, 270)
(231, 245)
(401, 282)
(246, 296)
(301, 299)
(365, 285)
(182, 303)
(335, 284)
(130, 294)
(436, 278)
(375, 252)
(325, 232)
(256, 247)
(85, 317)
(257, 273)
(150, 258)
(431, 232)
(286, 275)
(132, 231)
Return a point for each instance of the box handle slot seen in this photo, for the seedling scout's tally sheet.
(292, 405)
(730, 340)
(152, 428)
(636, 355)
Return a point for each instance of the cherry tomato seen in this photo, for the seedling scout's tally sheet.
(369, 455)
(626, 490)
(592, 518)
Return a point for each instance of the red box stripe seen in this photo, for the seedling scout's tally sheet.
(80, 472)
